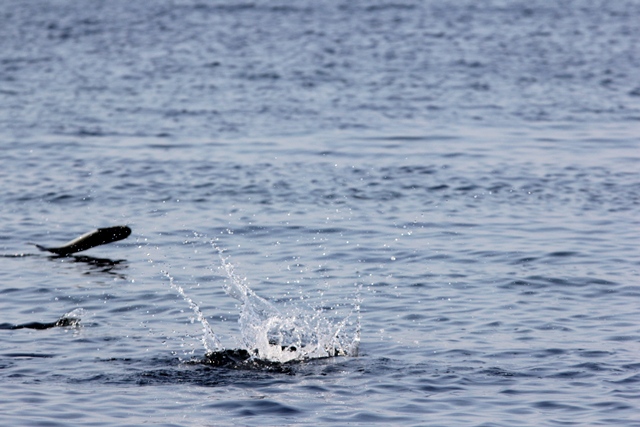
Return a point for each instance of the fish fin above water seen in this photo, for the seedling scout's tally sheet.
(89, 240)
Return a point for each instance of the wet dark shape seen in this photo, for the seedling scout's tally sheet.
(227, 358)
(62, 322)
(101, 236)
(244, 359)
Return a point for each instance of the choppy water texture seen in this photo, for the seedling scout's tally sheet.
(459, 177)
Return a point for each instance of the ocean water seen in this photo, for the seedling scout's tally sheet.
(446, 191)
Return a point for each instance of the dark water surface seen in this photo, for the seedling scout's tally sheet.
(466, 173)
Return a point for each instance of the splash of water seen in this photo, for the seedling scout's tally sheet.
(296, 335)
(72, 319)
(269, 334)
(210, 341)
(75, 314)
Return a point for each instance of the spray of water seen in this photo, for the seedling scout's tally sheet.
(210, 341)
(269, 334)
(295, 335)
(72, 318)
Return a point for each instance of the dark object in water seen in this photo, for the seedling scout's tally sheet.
(240, 356)
(230, 357)
(98, 237)
(62, 322)
(244, 359)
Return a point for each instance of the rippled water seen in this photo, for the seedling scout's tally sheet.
(460, 179)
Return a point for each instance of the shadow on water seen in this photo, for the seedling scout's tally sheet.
(97, 265)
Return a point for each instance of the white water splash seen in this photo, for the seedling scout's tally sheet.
(210, 341)
(270, 334)
(296, 335)
(72, 318)
(75, 314)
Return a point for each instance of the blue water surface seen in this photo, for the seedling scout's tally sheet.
(462, 176)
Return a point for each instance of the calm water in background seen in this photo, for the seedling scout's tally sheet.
(469, 172)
